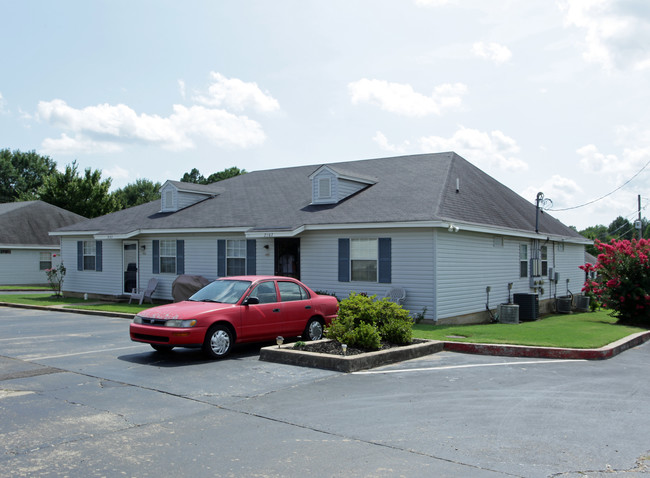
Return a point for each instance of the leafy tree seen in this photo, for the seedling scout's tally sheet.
(87, 195)
(140, 192)
(596, 233)
(623, 280)
(193, 176)
(196, 177)
(21, 174)
(225, 174)
(621, 228)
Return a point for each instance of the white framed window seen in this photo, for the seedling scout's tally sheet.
(167, 256)
(324, 188)
(90, 254)
(523, 260)
(45, 261)
(363, 259)
(236, 257)
(544, 260)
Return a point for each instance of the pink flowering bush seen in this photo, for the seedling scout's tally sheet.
(55, 277)
(623, 283)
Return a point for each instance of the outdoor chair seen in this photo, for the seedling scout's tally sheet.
(146, 293)
(396, 294)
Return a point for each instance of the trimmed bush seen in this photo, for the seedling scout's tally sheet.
(365, 322)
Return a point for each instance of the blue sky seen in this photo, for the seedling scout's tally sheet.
(543, 95)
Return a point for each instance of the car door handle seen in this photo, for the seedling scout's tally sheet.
(276, 310)
(308, 307)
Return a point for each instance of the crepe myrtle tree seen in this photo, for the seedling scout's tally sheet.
(623, 279)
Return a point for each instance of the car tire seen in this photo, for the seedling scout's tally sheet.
(162, 348)
(314, 329)
(218, 341)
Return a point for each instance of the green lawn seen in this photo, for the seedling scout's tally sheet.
(115, 307)
(76, 303)
(37, 299)
(24, 287)
(580, 330)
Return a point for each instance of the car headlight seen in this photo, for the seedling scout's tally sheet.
(137, 319)
(180, 323)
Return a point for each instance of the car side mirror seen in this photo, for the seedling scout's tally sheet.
(252, 301)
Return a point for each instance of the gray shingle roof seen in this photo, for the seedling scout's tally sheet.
(409, 188)
(28, 223)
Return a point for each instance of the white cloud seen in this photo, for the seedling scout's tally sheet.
(181, 88)
(492, 51)
(116, 173)
(617, 34)
(593, 161)
(109, 127)
(489, 149)
(237, 95)
(383, 143)
(559, 189)
(433, 3)
(403, 99)
(3, 105)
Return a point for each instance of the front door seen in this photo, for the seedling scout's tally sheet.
(287, 257)
(130, 265)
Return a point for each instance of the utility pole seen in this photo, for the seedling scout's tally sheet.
(640, 224)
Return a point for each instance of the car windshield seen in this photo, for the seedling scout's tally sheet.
(226, 291)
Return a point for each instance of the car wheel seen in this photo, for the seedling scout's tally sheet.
(218, 342)
(314, 330)
(162, 348)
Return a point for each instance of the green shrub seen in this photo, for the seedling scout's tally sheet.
(365, 322)
(363, 336)
(397, 332)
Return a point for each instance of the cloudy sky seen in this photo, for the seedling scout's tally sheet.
(543, 95)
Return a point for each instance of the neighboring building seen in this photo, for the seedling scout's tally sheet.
(433, 224)
(26, 248)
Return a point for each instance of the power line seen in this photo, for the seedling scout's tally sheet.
(606, 195)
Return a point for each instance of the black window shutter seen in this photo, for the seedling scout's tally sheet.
(155, 257)
(344, 260)
(221, 258)
(251, 257)
(180, 257)
(384, 265)
(80, 255)
(98, 256)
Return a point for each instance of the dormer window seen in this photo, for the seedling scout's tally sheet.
(332, 185)
(324, 188)
(175, 195)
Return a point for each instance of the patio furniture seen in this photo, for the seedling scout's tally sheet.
(146, 293)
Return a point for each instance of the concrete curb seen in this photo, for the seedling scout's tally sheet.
(73, 311)
(352, 363)
(606, 352)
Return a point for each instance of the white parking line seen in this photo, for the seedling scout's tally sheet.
(450, 367)
(36, 357)
(43, 337)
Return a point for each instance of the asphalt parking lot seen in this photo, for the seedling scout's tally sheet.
(78, 398)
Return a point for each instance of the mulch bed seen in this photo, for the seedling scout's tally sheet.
(334, 348)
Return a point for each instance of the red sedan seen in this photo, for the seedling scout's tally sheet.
(236, 309)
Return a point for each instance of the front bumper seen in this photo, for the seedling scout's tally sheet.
(174, 336)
